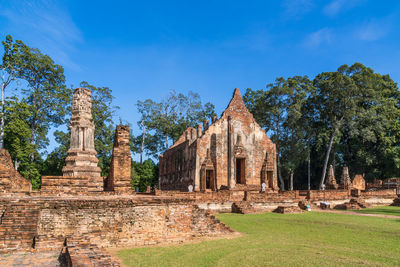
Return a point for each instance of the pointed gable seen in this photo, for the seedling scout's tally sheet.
(236, 105)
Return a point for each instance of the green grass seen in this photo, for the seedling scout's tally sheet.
(384, 210)
(307, 239)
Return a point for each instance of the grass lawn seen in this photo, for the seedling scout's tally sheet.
(307, 239)
(385, 210)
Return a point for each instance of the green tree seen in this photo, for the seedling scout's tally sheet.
(165, 121)
(369, 141)
(9, 72)
(294, 133)
(333, 104)
(17, 140)
(269, 109)
(45, 92)
(144, 174)
(55, 161)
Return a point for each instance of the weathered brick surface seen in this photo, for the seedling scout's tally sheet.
(387, 193)
(323, 195)
(53, 185)
(119, 177)
(243, 207)
(18, 225)
(31, 259)
(239, 153)
(358, 182)
(81, 253)
(10, 179)
(353, 204)
(115, 223)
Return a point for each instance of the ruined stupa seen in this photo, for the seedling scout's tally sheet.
(345, 181)
(81, 160)
(331, 181)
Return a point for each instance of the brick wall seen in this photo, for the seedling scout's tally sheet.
(114, 223)
(52, 185)
(380, 193)
(323, 195)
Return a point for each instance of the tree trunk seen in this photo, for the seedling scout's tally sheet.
(32, 141)
(291, 181)
(142, 145)
(309, 171)
(33, 130)
(282, 183)
(333, 134)
(2, 111)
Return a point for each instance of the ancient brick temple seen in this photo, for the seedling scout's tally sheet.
(233, 152)
(81, 160)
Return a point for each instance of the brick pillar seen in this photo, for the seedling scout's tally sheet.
(119, 177)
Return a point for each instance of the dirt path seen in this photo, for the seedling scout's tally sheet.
(359, 214)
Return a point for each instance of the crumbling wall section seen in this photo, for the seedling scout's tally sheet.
(10, 179)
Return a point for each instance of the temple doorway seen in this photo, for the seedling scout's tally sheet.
(209, 178)
(270, 181)
(240, 170)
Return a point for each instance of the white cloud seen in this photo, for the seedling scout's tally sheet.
(337, 6)
(320, 37)
(45, 25)
(372, 30)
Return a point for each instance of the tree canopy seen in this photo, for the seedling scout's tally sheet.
(349, 117)
(166, 120)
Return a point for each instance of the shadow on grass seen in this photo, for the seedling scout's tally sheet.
(383, 211)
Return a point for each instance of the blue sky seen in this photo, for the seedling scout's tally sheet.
(143, 49)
